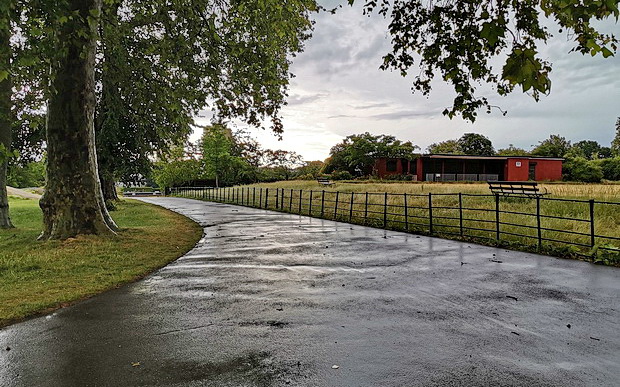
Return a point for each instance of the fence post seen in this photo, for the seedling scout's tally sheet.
(366, 209)
(592, 241)
(351, 208)
(406, 213)
(497, 233)
(322, 203)
(336, 206)
(254, 197)
(300, 194)
(310, 204)
(461, 213)
(430, 213)
(290, 202)
(385, 201)
(277, 197)
(538, 228)
(282, 200)
(242, 195)
(266, 198)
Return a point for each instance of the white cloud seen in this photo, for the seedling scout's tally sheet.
(339, 90)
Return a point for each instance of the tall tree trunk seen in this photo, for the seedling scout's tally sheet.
(73, 201)
(107, 112)
(5, 122)
(108, 186)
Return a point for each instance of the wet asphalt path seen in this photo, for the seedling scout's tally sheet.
(270, 299)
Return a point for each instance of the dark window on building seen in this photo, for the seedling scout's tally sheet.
(532, 171)
(391, 166)
(405, 166)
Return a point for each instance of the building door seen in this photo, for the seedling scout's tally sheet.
(532, 171)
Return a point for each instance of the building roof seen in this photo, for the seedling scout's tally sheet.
(472, 157)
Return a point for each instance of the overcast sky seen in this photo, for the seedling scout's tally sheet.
(339, 90)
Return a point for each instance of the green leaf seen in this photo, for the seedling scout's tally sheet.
(607, 52)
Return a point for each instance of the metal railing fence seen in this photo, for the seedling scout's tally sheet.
(541, 223)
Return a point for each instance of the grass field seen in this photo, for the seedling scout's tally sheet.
(556, 225)
(602, 192)
(39, 276)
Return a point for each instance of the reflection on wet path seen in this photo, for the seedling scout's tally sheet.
(271, 299)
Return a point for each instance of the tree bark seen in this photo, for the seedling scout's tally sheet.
(73, 201)
(5, 123)
(110, 100)
(109, 188)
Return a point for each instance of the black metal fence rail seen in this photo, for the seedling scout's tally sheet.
(539, 222)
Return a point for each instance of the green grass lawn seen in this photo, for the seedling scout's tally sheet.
(37, 277)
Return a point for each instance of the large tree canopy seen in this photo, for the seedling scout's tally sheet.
(615, 143)
(459, 40)
(554, 146)
(475, 144)
(467, 144)
(357, 153)
(160, 62)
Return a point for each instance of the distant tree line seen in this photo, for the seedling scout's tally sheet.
(224, 158)
(586, 160)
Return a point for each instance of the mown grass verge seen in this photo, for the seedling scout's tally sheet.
(36, 277)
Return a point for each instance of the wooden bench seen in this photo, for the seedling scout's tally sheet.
(516, 188)
(324, 181)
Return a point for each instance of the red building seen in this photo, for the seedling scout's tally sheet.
(472, 168)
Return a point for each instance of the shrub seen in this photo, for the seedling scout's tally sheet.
(580, 169)
(610, 168)
(400, 177)
(341, 175)
(177, 173)
(30, 175)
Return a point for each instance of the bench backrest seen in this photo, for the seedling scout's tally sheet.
(526, 187)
